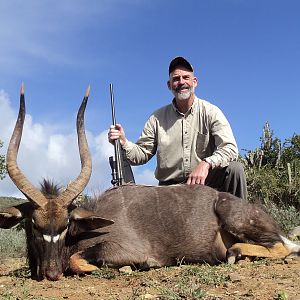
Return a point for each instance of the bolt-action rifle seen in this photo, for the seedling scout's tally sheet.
(120, 167)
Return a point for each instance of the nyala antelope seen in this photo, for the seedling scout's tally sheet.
(140, 226)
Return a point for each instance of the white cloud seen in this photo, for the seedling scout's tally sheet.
(7, 116)
(45, 153)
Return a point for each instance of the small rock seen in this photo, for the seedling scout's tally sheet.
(244, 262)
(126, 270)
(236, 277)
(149, 296)
(294, 233)
(4, 281)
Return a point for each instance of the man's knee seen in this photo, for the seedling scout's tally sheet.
(235, 168)
(235, 181)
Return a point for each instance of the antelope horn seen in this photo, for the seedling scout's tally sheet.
(23, 184)
(76, 187)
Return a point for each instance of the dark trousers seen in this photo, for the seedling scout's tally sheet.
(230, 179)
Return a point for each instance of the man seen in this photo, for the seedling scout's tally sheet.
(191, 138)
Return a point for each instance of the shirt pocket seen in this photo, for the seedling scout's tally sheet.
(202, 145)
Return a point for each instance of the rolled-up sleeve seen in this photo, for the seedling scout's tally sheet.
(145, 148)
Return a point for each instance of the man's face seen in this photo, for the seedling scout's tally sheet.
(182, 83)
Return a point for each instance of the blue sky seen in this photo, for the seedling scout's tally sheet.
(245, 55)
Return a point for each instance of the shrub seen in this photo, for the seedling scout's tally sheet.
(13, 243)
(273, 176)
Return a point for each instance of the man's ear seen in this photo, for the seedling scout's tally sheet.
(87, 220)
(169, 84)
(195, 81)
(11, 216)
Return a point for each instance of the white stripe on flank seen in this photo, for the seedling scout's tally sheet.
(290, 244)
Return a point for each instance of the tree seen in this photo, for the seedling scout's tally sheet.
(2, 164)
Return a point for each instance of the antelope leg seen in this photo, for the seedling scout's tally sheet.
(239, 250)
(80, 265)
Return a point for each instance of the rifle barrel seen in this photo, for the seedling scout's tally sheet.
(112, 102)
(117, 144)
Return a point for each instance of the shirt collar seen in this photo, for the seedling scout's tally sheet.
(191, 111)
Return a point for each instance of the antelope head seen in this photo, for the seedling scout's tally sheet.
(51, 220)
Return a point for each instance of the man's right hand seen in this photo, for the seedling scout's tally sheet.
(116, 132)
(199, 173)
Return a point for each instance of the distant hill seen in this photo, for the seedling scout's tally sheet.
(10, 201)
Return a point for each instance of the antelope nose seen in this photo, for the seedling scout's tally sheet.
(53, 275)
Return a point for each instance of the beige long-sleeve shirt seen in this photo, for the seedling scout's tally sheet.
(181, 141)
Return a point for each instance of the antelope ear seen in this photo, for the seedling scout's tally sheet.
(11, 216)
(88, 220)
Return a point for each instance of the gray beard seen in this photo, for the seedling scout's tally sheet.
(183, 96)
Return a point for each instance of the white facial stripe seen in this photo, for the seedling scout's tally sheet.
(49, 238)
(56, 238)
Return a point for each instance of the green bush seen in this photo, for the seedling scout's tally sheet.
(13, 243)
(273, 177)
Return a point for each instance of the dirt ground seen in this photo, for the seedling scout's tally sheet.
(263, 279)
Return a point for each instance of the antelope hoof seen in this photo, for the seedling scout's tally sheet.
(79, 265)
(232, 255)
(231, 260)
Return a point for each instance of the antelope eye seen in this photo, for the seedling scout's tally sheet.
(36, 230)
(34, 224)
